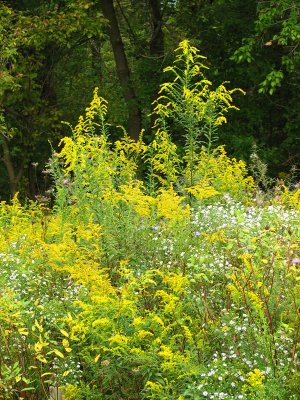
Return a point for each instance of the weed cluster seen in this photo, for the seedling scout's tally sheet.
(176, 286)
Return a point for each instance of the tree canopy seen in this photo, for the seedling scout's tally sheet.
(53, 54)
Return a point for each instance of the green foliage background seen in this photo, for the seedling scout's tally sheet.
(54, 53)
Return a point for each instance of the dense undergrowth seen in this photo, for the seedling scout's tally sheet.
(155, 275)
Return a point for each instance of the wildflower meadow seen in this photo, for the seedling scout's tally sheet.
(152, 271)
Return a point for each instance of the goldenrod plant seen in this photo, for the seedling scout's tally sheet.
(190, 101)
(150, 286)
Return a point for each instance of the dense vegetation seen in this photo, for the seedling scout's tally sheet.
(159, 272)
(53, 54)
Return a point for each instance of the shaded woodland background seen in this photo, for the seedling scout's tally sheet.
(53, 54)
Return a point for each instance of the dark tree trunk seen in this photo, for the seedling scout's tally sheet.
(14, 179)
(123, 71)
(157, 39)
(156, 47)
